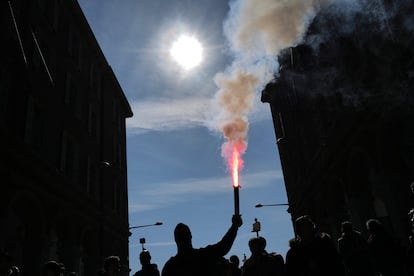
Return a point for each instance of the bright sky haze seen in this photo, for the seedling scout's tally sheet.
(184, 111)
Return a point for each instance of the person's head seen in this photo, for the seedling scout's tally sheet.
(145, 257)
(182, 235)
(234, 260)
(305, 228)
(257, 245)
(374, 226)
(53, 268)
(112, 264)
(346, 227)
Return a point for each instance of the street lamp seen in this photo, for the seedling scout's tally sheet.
(259, 205)
(146, 225)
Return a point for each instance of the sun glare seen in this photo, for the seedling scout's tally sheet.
(187, 52)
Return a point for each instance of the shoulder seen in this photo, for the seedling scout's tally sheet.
(276, 256)
(294, 243)
(248, 262)
(295, 248)
(171, 261)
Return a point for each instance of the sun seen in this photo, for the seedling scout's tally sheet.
(187, 52)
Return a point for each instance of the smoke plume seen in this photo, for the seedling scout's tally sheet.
(256, 30)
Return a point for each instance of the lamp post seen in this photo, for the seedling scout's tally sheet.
(259, 205)
(142, 240)
(146, 225)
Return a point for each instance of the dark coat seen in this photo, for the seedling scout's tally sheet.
(355, 254)
(264, 264)
(387, 254)
(148, 270)
(316, 258)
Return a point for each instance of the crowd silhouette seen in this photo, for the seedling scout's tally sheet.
(311, 253)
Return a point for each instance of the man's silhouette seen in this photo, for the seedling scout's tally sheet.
(261, 262)
(354, 251)
(148, 269)
(234, 265)
(112, 266)
(202, 261)
(386, 252)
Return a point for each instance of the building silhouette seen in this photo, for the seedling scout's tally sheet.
(343, 111)
(63, 145)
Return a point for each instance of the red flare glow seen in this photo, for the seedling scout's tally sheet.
(235, 167)
(232, 152)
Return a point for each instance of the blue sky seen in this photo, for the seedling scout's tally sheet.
(175, 169)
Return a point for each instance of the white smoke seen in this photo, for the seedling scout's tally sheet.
(256, 30)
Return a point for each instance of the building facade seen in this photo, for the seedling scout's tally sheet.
(63, 141)
(343, 110)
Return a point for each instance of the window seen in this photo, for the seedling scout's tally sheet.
(70, 39)
(68, 84)
(119, 155)
(72, 96)
(99, 81)
(55, 19)
(120, 122)
(34, 125)
(70, 157)
(52, 13)
(63, 151)
(42, 5)
(93, 125)
(91, 177)
(116, 116)
(118, 199)
(91, 75)
(70, 91)
(114, 111)
(90, 123)
(4, 89)
(73, 43)
(79, 55)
